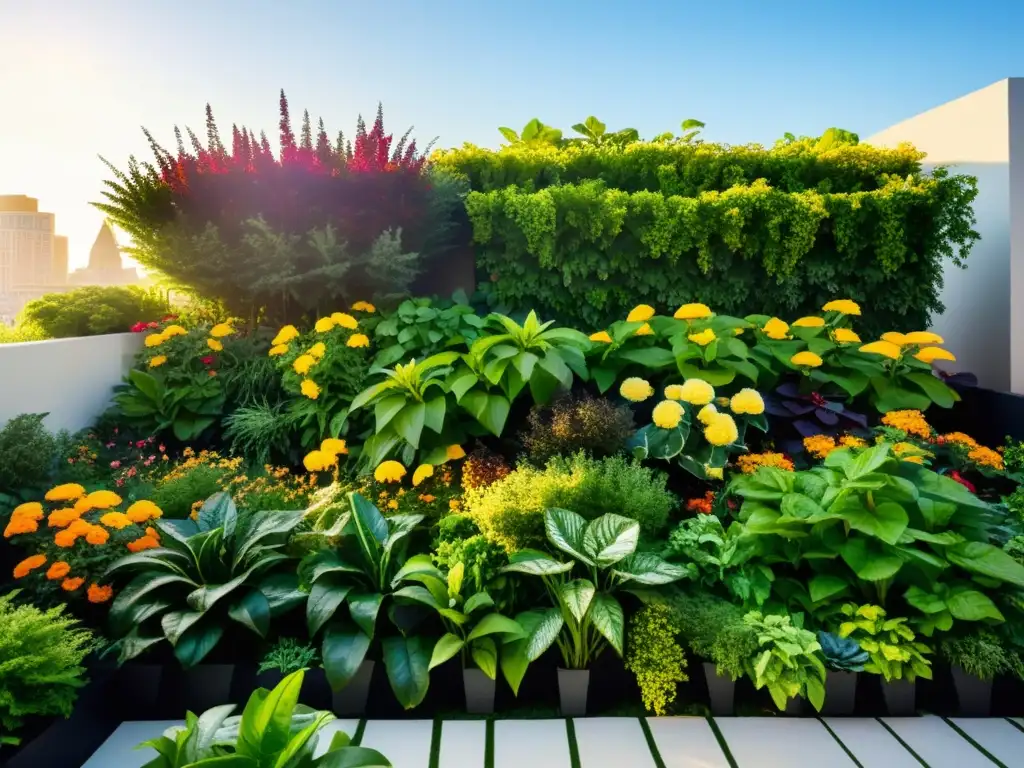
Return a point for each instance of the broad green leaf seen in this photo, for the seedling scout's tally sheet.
(196, 642)
(610, 538)
(565, 530)
(477, 601)
(407, 660)
(887, 521)
(495, 623)
(606, 616)
(649, 569)
(266, 724)
(798, 506)
(408, 422)
(971, 605)
(252, 611)
(445, 648)
(138, 592)
(419, 595)
(986, 560)
(490, 410)
(387, 408)
(325, 596)
(343, 651)
(926, 602)
(433, 414)
(936, 389)
(576, 596)
(370, 526)
(485, 654)
(546, 628)
(535, 563)
(870, 563)
(824, 586)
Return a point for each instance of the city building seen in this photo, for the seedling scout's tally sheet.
(33, 258)
(105, 265)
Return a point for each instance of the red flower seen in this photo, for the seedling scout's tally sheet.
(208, 360)
(954, 475)
(152, 325)
(139, 327)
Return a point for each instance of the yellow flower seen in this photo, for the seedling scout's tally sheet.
(674, 392)
(894, 338)
(667, 414)
(220, 330)
(156, 362)
(66, 492)
(317, 351)
(819, 446)
(454, 453)
(703, 338)
(909, 421)
(843, 306)
(884, 348)
(641, 313)
(806, 358)
(303, 363)
(636, 389)
(389, 472)
(747, 401)
(334, 446)
(852, 441)
(155, 339)
(215, 345)
(277, 350)
(318, 461)
(285, 335)
(102, 499)
(601, 336)
(845, 336)
(986, 457)
(931, 354)
(61, 518)
(363, 306)
(174, 330)
(645, 330)
(345, 320)
(749, 463)
(697, 392)
(722, 430)
(923, 337)
(914, 459)
(692, 312)
(707, 414)
(423, 471)
(309, 389)
(323, 325)
(143, 510)
(776, 329)
(358, 340)
(713, 473)
(116, 520)
(809, 322)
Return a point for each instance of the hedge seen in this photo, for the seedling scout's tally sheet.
(584, 233)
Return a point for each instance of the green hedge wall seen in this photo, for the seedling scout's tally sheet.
(585, 233)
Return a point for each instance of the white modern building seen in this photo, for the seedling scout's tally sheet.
(33, 258)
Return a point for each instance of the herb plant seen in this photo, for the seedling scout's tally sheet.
(288, 655)
(789, 661)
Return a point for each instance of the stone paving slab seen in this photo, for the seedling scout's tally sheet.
(781, 742)
(936, 743)
(406, 743)
(1001, 739)
(612, 742)
(463, 744)
(118, 751)
(686, 742)
(871, 743)
(529, 744)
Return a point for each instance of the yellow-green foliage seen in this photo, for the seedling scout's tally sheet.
(510, 512)
(654, 656)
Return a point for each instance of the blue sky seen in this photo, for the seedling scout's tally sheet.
(79, 78)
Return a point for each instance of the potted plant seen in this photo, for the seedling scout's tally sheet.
(975, 660)
(289, 655)
(587, 616)
(894, 653)
(273, 730)
(475, 632)
(844, 658)
(788, 663)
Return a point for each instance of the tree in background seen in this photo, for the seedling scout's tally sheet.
(92, 311)
(318, 226)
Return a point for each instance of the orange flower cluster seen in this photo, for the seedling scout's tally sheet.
(483, 468)
(749, 463)
(911, 422)
(701, 505)
(819, 446)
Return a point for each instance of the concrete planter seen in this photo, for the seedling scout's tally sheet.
(350, 701)
(573, 686)
(721, 689)
(480, 690)
(900, 698)
(974, 695)
(840, 693)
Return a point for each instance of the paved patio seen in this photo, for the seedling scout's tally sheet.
(659, 742)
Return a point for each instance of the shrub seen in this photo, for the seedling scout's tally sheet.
(460, 541)
(27, 453)
(510, 512)
(93, 310)
(21, 333)
(715, 631)
(41, 655)
(288, 655)
(982, 654)
(654, 656)
(595, 425)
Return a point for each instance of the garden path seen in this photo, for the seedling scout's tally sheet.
(659, 742)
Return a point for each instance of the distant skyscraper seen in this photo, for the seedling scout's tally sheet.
(105, 266)
(33, 260)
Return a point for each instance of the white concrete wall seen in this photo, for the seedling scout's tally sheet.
(977, 135)
(70, 379)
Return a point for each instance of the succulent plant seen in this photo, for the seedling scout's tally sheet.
(842, 654)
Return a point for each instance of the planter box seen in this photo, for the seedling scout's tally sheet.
(900, 698)
(350, 701)
(840, 693)
(573, 685)
(974, 695)
(721, 690)
(480, 690)
(198, 689)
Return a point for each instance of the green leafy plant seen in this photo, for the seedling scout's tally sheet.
(419, 328)
(534, 133)
(41, 655)
(983, 654)
(655, 657)
(367, 569)
(288, 655)
(261, 431)
(27, 453)
(93, 310)
(596, 133)
(714, 630)
(460, 543)
(789, 661)
(571, 424)
(895, 655)
(274, 731)
(152, 405)
(224, 566)
(587, 616)
(842, 654)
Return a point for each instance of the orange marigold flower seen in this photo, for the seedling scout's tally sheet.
(20, 525)
(97, 536)
(911, 422)
(62, 518)
(65, 538)
(32, 510)
(143, 542)
(151, 531)
(103, 499)
(986, 457)
(960, 438)
(749, 463)
(70, 585)
(427, 498)
(702, 505)
(852, 441)
(819, 446)
(29, 564)
(116, 520)
(65, 492)
(98, 594)
(58, 570)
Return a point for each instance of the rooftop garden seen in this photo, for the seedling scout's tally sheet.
(614, 459)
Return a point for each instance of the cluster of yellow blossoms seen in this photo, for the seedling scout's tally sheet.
(911, 422)
(217, 333)
(72, 526)
(305, 362)
(393, 471)
(921, 344)
(820, 446)
(976, 452)
(749, 463)
(326, 456)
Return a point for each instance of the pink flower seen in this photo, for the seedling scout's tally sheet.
(119, 482)
(116, 430)
(140, 443)
(115, 464)
(161, 448)
(71, 461)
(132, 471)
(110, 445)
